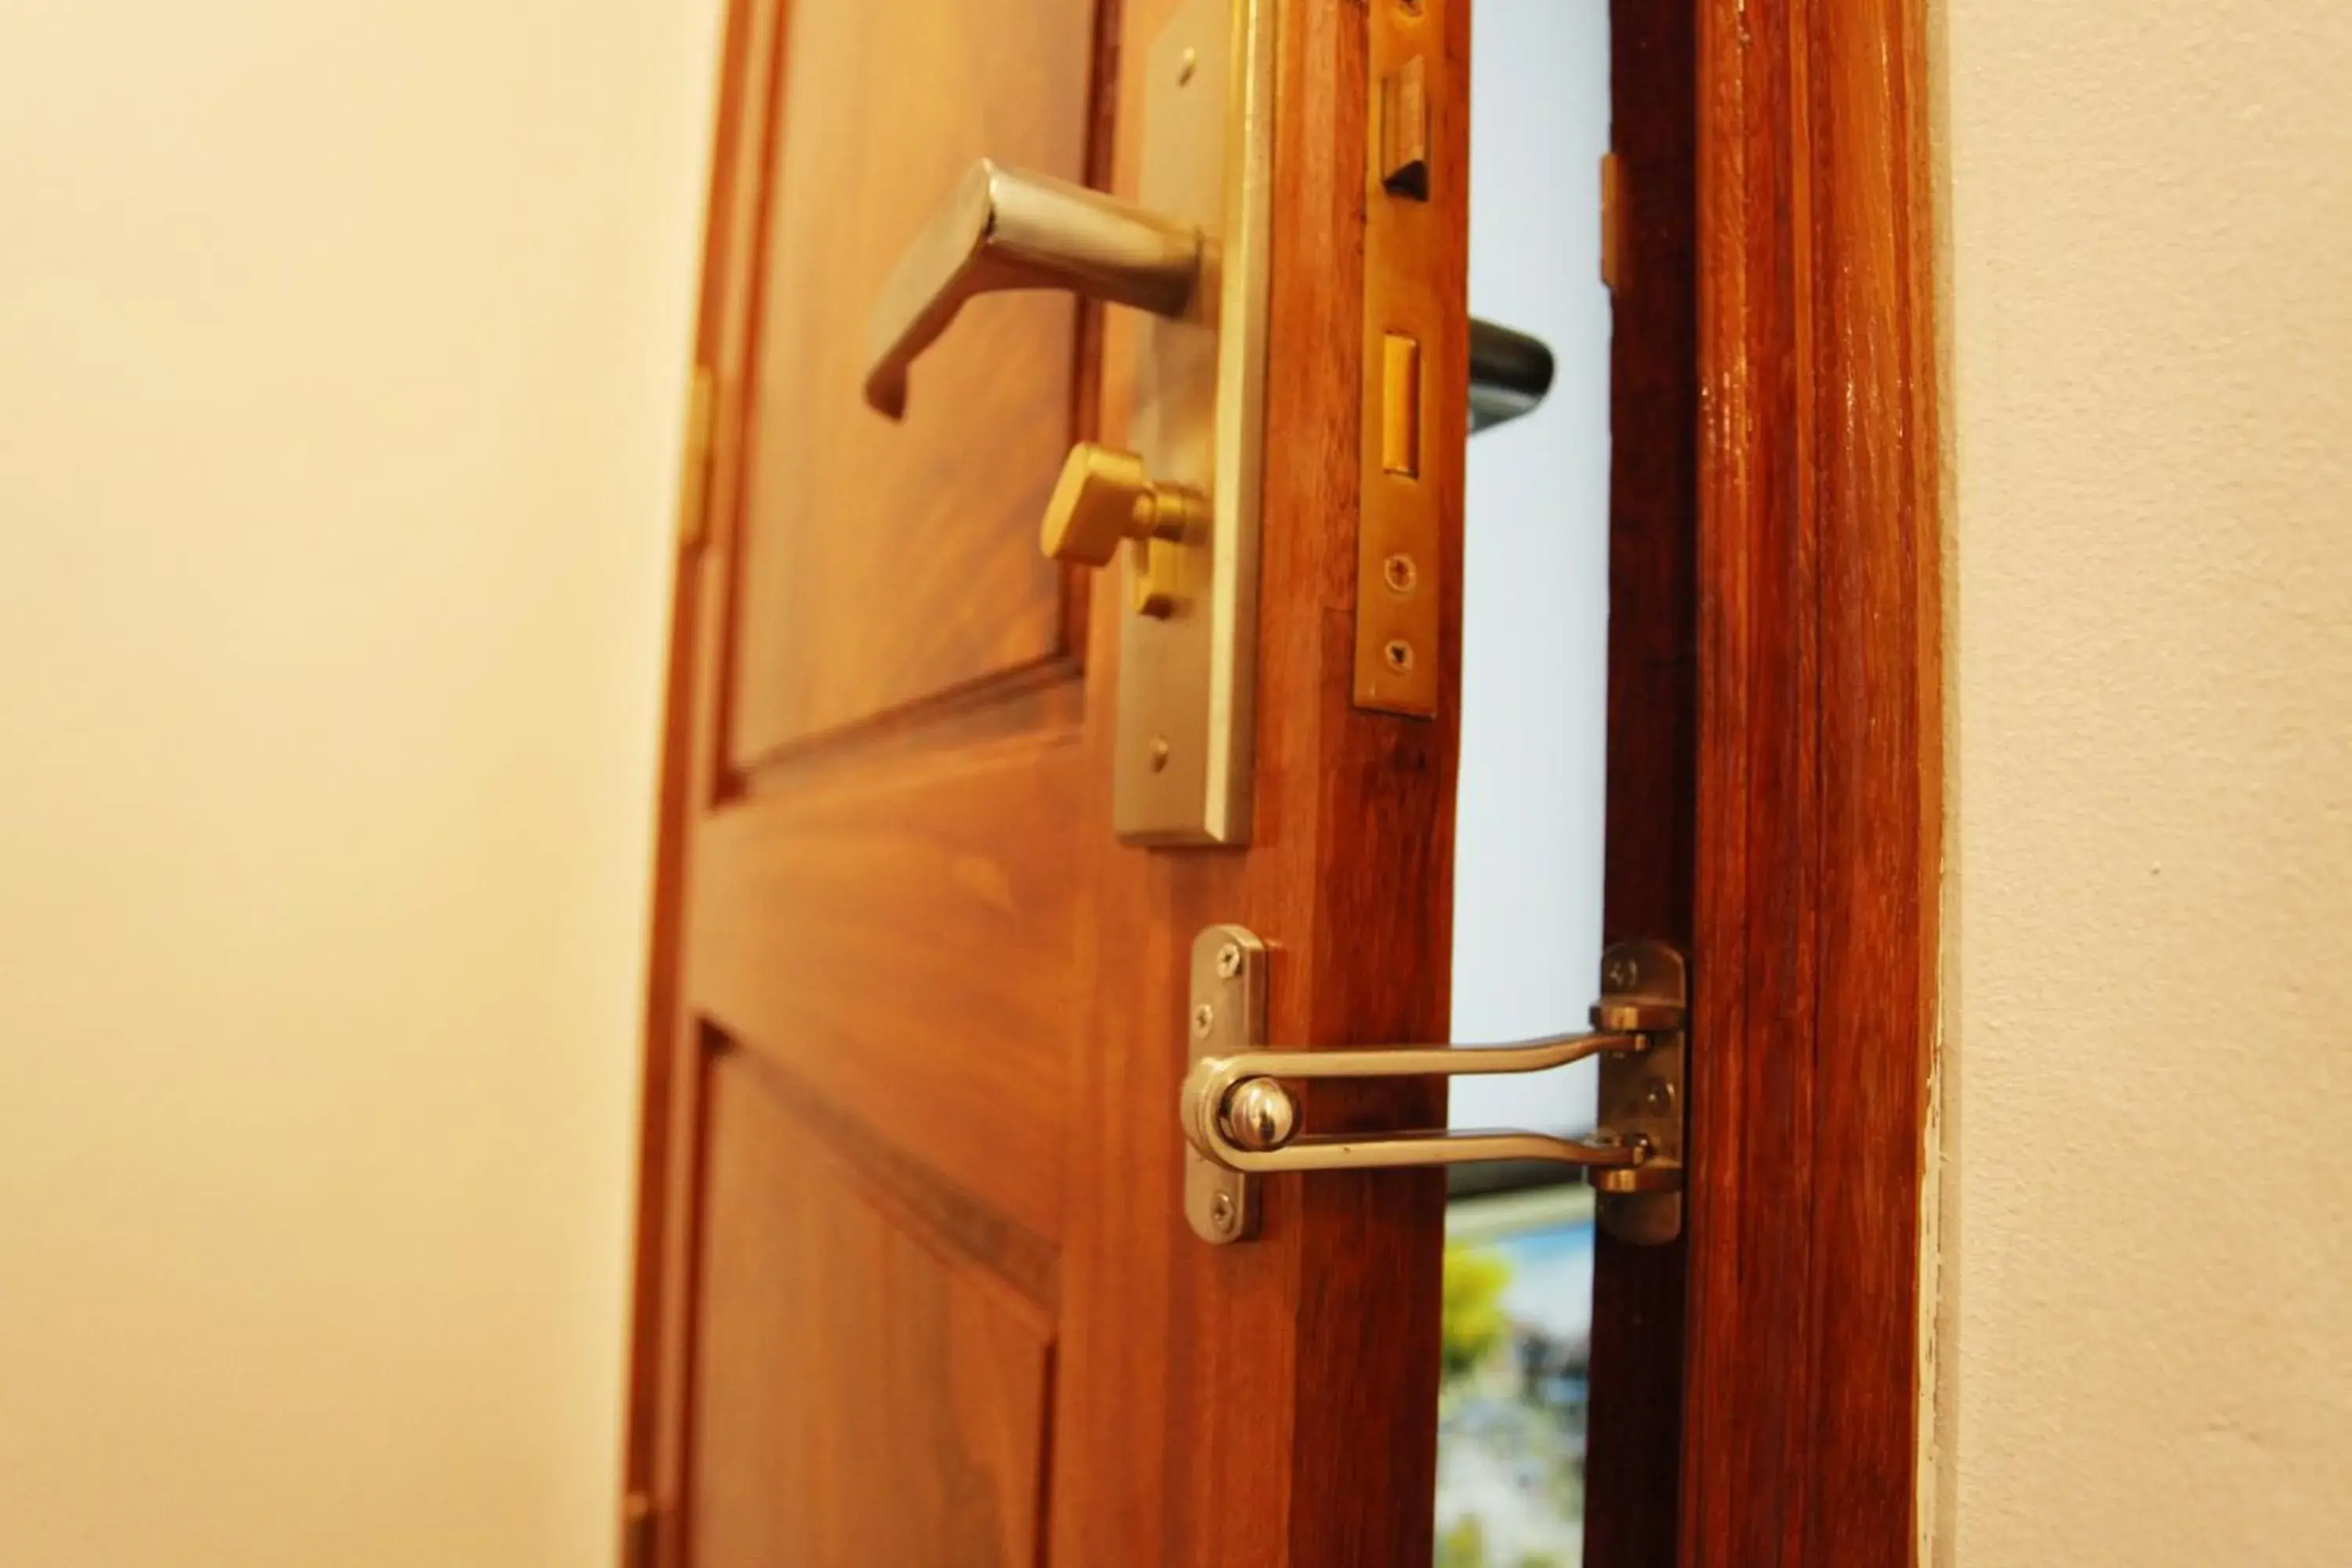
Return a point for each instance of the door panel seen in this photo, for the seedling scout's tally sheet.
(906, 951)
(929, 1455)
(885, 563)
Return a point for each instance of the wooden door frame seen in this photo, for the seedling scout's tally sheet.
(1775, 568)
(1821, 779)
(1776, 578)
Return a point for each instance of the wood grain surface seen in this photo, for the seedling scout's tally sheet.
(890, 561)
(1276, 1403)
(929, 1455)
(1818, 786)
(918, 1017)
(1634, 1463)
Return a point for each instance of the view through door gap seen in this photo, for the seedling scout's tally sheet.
(1529, 850)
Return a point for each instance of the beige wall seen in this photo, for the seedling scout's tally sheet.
(2147, 1337)
(340, 349)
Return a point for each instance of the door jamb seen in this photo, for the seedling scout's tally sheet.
(1775, 568)
(1820, 781)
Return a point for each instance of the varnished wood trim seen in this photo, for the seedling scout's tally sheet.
(1041, 698)
(657, 1443)
(1818, 782)
(738, 304)
(1633, 1469)
(664, 1090)
(675, 1525)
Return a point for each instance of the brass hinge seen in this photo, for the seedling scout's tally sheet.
(1612, 222)
(694, 465)
(1241, 1122)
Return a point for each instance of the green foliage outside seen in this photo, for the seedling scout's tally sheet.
(1477, 1330)
(1474, 1324)
(1464, 1546)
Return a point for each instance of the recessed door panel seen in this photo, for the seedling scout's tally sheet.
(887, 563)
(869, 1391)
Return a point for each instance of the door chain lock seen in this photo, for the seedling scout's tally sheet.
(1241, 1121)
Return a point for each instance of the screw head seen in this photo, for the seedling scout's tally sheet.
(1229, 961)
(1400, 573)
(1657, 1097)
(1204, 1019)
(1399, 655)
(1158, 753)
(1222, 1213)
(1187, 65)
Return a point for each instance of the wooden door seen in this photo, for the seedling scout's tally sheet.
(915, 1286)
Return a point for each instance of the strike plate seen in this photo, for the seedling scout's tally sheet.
(1642, 1096)
(1187, 678)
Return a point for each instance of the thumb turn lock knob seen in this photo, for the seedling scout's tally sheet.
(1105, 497)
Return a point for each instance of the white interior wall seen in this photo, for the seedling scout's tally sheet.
(341, 351)
(2145, 1326)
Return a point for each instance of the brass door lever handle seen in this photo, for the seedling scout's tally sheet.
(1004, 229)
